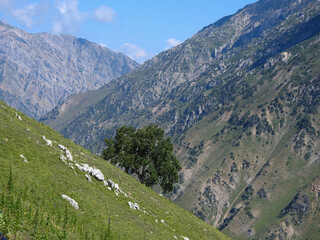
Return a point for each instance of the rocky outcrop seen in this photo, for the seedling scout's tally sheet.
(38, 71)
(96, 173)
(71, 201)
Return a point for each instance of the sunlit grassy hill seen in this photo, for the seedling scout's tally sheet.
(35, 174)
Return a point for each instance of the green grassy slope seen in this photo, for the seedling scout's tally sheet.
(31, 205)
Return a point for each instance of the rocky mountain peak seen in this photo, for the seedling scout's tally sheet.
(38, 71)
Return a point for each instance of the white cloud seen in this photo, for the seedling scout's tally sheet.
(103, 44)
(64, 16)
(57, 27)
(134, 52)
(172, 42)
(4, 3)
(26, 15)
(67, 17)
(104, 14)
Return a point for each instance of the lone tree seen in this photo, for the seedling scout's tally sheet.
(144, 153)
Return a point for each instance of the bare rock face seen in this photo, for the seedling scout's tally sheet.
(38, 71)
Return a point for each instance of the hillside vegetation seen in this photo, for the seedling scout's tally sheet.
(241, 101)
(38, 166)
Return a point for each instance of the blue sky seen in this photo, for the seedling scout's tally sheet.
(141, 28)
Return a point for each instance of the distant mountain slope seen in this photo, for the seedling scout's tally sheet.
(173, 88)
(47, 170)
(38, 71)
(241, 101)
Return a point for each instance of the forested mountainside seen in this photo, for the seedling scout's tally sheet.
(38, 71)
(240, 99)
(51, 188)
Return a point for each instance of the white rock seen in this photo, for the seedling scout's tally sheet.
(185, 238)
(18, 116)
(111, 184)
(175, 237)
(109, 188)
(162, 221)
(84, 167)
(97, 174)
(134, 206)
(88, 178)
(49, 142)
(157, 221)
(62, 147)
(25, 160)
(71, 165)
(69, 156)
(63, 158)
(92, 171)
(71, 201)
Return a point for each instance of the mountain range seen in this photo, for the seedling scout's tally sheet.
(240, 100)
(39, 71)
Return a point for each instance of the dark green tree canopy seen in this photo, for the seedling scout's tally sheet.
(145, 153)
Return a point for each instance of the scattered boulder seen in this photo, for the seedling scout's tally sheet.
(69, 156)
(25, 160)
(63, 158)
(68, 153)
(71, 201)
(111, 184)
(17, 115)
(62, 147)
(115, 187)
(185, 238)
(49, 142)
(134, 206)
(92, 171)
